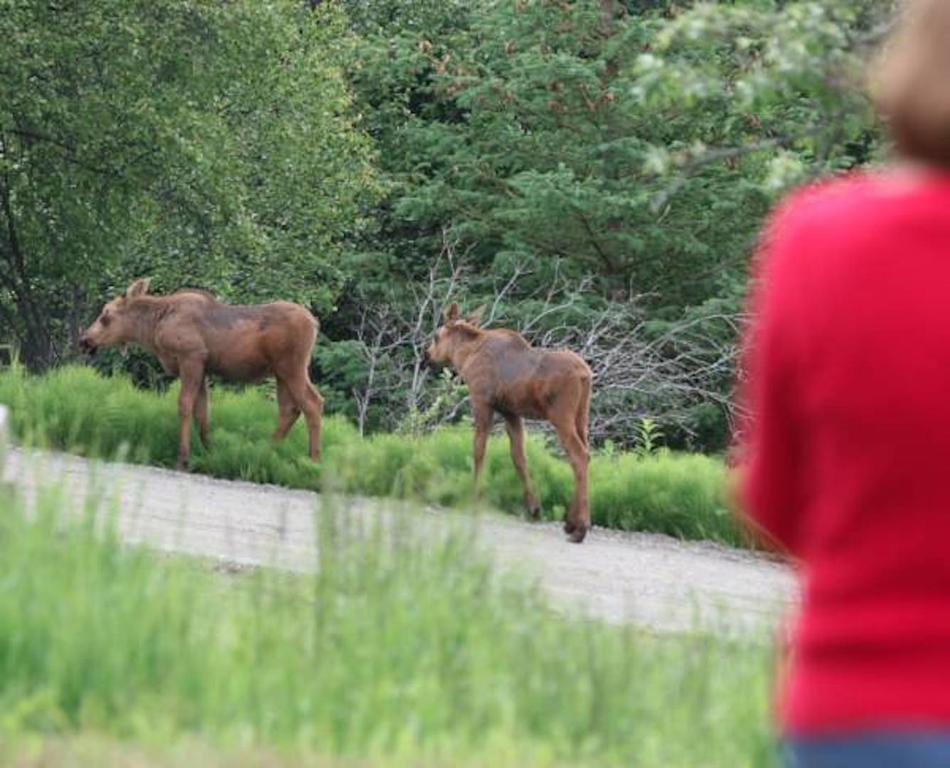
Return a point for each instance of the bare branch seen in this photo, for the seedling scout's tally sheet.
(638, 372)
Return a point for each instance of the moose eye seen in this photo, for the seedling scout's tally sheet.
(105, 320)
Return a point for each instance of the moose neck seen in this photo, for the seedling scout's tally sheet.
(144, 313)
(465, 346)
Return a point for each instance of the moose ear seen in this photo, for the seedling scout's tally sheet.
(451, 314)
(475, 316)
(138, 288)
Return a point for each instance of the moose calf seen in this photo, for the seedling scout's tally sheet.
(506, 375)
(193, 335)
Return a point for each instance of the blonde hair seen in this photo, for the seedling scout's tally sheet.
(910, 82)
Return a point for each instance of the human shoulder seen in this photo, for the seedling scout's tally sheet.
(822, 202)
(813, 217)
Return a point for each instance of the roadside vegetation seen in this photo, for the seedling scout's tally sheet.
(400, 649)
(595, 173)
(75, 409)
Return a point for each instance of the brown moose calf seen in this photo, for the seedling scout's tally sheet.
(506, 375)
(194, 335)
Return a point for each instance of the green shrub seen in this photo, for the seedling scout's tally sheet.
(399, 646)
(75, 409)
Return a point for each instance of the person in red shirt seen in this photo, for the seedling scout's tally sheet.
(845, 460)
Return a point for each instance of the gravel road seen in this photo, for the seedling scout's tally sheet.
(643, 579)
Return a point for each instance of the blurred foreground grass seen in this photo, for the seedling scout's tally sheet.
(400, 650)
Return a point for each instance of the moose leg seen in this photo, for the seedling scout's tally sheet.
(309, 401)
(515, 427)
(192, 376)
(582, 419)
(578, 516)
(484, 416)
(202, 403)
(287, 411)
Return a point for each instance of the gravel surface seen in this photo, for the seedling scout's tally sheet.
(642, 579)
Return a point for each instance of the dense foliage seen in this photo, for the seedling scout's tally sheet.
(595, 171)
(201, 143)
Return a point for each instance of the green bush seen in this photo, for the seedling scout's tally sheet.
(398, 646)
(75, 409)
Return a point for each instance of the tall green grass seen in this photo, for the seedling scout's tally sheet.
(397, 649)
(73, 408)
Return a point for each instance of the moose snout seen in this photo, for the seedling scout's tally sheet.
(87, 345)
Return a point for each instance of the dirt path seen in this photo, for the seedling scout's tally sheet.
(643, 579)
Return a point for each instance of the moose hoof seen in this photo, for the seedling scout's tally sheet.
(577, 535)
(534, 511)
(575, 531)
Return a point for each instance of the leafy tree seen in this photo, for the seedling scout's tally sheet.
(204, 143)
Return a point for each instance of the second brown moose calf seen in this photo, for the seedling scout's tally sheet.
(506, 375)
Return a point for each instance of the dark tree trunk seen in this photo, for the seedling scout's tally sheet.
(21, 313)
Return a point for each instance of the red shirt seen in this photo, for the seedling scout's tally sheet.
(848, 463)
